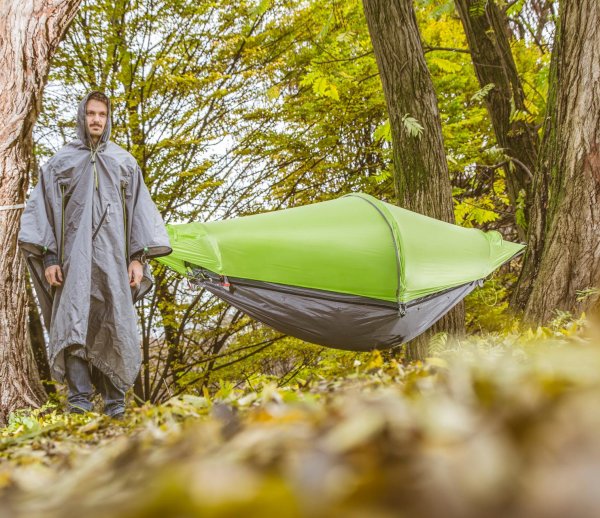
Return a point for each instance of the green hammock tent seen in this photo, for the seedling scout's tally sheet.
(352, 273)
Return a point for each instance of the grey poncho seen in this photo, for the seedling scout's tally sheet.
(92, 209)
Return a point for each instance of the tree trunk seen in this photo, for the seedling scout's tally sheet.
(564, 252)
(30, 31)
(420, 168)
(38, 344)
(166, 304)
(488, 38)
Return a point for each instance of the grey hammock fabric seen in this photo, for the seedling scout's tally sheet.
(332, 319)
(94, 307)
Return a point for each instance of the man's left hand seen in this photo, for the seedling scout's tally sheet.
(136, 272)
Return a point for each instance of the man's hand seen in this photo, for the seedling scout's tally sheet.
(136, 272)
(54, 275)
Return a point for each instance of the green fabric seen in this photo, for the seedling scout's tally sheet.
(355, 245)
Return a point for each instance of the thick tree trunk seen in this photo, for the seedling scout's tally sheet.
(488, 38)
(420, 168)
(564, 255)
(30, 31)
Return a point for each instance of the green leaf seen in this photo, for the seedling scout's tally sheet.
(273, 92)
(516, 8)
(320, 86)
(412, 126)
(522, 115)
(480, 95)
(477, 9)
(332, 92)
(326, 27)
(383, 132)
(262, 7)
(520, 210)
(445, 64)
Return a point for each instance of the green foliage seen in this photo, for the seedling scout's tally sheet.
(487, 308)
(471, 212)
(478, 184)
(384, 132)
(477, 8)
(589, 292)
(520, 210)
(515, 8)
(445, 65)
(321, 85)
(317, 137)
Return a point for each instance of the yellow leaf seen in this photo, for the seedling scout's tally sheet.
(273, 92)
(437, 362)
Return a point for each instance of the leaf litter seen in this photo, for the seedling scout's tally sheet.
(488, 426)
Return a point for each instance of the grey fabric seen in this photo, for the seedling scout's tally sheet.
(95, 304)
(332, 319)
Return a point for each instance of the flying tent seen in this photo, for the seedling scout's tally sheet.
(352, 273)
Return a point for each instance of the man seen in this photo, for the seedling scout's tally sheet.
(87, 231)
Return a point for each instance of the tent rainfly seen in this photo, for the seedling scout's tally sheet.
(352, 273)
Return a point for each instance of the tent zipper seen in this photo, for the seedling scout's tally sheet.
(200, 277)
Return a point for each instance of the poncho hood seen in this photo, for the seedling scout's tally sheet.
(83, 134)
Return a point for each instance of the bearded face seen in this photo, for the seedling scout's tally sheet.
(96, 115)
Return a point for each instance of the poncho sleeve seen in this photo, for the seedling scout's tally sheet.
(37, 234)
(37, 240)
(148, 234)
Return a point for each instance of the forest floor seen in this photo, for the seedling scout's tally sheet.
(494, 425)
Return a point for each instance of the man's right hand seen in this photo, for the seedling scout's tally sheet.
(54, 275)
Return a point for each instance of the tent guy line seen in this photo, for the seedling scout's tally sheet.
(12, 207)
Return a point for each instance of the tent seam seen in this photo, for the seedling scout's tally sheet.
(397, 243)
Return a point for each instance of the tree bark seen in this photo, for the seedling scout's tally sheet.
(488, 38)
(420, 169)
(30, 31)
(564, 239)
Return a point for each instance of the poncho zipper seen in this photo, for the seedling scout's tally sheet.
(94, 167)
(101, 221)
(125, 225)
(62, 224)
